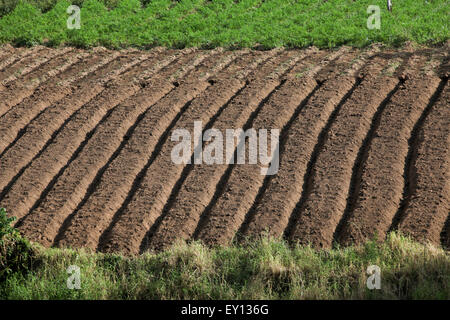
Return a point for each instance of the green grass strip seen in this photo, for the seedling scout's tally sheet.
(261, 269)
(268, 269)
(226, 23)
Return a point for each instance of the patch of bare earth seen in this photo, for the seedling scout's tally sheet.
(85, 145)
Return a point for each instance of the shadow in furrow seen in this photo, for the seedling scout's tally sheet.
(409, 174)
(283, 137)
(361, 158)
(137, 181)
(317, 149)
(445, 234)
(44, 148)
(186, 171)
(225, 177)
(94, 183)
(61, 171)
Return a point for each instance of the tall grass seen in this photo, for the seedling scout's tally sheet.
(265, 269)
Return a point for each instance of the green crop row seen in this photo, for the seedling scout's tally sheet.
(226, 23)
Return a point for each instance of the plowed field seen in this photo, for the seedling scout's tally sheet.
(85, 145)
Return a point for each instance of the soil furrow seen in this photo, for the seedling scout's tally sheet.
(198, 188)
(25, 80)
(18, 89)
(10, 55)
(16, 63)
(227, 211)
(272, 211)
(94, 147)
(37, 67)
(328, 177)
(217, 226)
(7, 51)
(46, 218)
(92, 62)
(47, 125)
(53, 90)
(379, 179)
(445, 235)
(36, 176)
(162, 174)
(119, 177)
(428, 204)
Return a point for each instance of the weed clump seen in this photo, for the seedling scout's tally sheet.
(16, 252)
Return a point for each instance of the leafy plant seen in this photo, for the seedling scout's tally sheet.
(16, 252)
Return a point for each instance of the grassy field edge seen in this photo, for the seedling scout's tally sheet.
(260, 269)
(225, 23)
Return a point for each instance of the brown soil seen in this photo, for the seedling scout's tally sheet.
(272, 211)
(30, 180)
(328, 177)
(226, 214)
(85, 145)
(162, 174)
(70, 187)
(199, 184)
(427, 209)
(379, 179)
(117, 180)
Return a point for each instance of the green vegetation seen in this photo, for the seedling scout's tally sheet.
(227, 23)
(265, 269)
(6, 6)
(16, 253)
